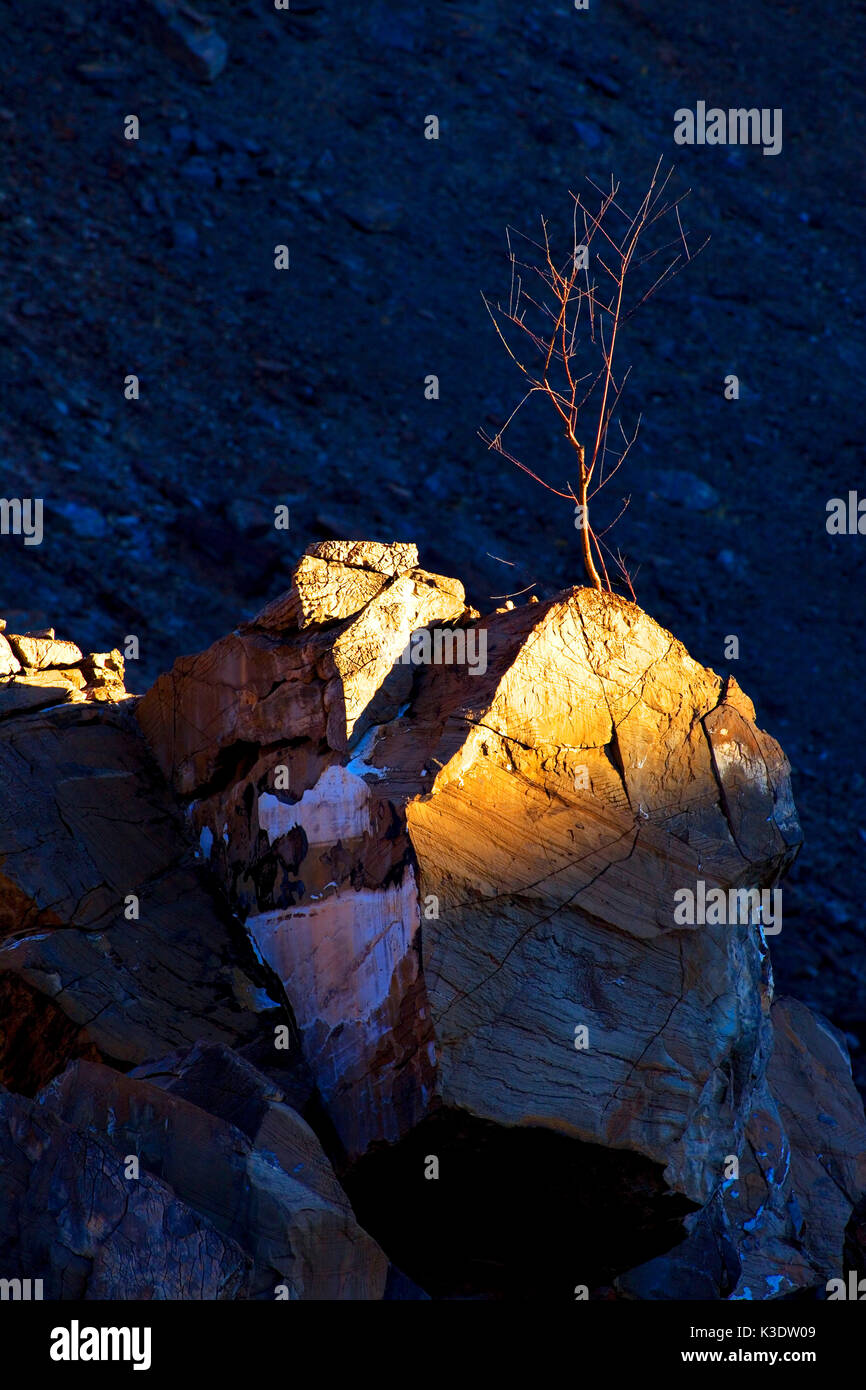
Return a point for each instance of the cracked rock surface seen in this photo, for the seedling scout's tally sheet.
(329, 902)
(454, 870)
(69, 1216)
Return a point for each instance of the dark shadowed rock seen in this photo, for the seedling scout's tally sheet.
(104, 919)
(275, 1196)
(216, 1079)
(186, 35)
(70, 1216)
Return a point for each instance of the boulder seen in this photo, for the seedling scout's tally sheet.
(70, 1216)
(779, 1225)
(112, 944)
(474, 881)
(488, 899)
(273, 1195)
(40, 653)
(9, 663)
(37, 672)
(228, 1086)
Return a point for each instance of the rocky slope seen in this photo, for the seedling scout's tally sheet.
(155, 257)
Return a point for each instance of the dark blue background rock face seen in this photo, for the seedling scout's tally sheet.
(306, 387)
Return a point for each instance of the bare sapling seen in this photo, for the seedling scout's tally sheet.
(562, 327)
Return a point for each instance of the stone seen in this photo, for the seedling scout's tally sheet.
(328, 685)
(227, 1085)
(37, 672)
(86, 824)
(321, 593)
(461, 871)
(32, 692)
(104, 675)
(548, 704)
(392, 559)
(42, 653)
(488, 877)
(70, 1216)
(9, 663)
(589, 133)
(333, 580)
(364, 654)
(803, 1169)
(88, 523)
(211, 709)
(187, 36)
(295, 1234)
(371, 214)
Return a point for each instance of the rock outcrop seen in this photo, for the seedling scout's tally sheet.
(112, 945)
(37, 672)
(483, 892)
(116, 950)
(273, 1195)
(70, 1216)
